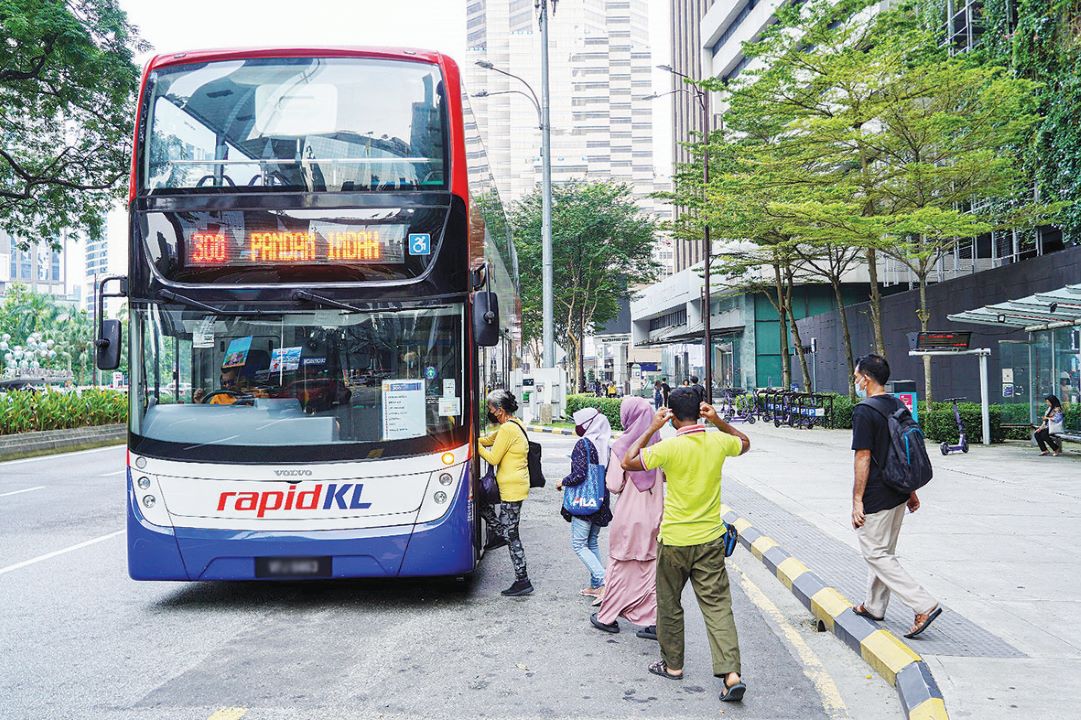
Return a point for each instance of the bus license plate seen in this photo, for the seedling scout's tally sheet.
(304, 567)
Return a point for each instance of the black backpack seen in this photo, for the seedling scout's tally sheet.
(536, 475)
(907, 467)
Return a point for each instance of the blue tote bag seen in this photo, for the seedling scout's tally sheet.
(587, 497)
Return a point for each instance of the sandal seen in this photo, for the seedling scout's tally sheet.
(923, 621)
(659, 668)
(734, 693)
(862, 612)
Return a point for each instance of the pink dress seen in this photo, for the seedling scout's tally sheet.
(631, 578)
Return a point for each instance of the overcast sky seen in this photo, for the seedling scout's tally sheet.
(428, 24)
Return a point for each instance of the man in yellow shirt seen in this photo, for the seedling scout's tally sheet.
(691, 543)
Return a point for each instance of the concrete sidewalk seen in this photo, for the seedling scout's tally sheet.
(994, 541)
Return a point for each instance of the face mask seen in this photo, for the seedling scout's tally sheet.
(861, 391)
(580, 430)
(492, 418)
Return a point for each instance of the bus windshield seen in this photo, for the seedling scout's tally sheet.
(297, 385)
(295, 124)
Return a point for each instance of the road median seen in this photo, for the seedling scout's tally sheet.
(52, 442)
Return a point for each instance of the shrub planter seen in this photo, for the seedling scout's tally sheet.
(48, 442)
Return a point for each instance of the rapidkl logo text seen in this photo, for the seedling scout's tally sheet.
(344, 496)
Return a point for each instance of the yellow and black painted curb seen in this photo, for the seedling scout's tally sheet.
(897, 663)
(549, 430)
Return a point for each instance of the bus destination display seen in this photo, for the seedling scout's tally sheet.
(321, 244)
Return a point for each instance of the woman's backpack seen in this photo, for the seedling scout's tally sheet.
(536, 474)
(587, 497)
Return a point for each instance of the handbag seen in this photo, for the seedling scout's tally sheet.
(1056, 425)
(533, 459)
(731, 536)
(489, 488)
(587, 497)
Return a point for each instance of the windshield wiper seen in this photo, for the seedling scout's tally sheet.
(323, 300)
(191, 302)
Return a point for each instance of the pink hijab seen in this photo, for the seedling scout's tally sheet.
(635, 414)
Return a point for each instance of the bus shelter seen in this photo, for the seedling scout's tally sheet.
(1049, 362)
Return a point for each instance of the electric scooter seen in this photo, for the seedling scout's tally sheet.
(962, 442)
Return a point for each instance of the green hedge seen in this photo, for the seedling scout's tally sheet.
(940, 426)
(24, 411)
(608, 406)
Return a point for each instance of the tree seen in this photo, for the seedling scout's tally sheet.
(602, 247)
(37, 331)
(67, 84)
(908, 136)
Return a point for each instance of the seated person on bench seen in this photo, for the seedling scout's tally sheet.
(1052, 422)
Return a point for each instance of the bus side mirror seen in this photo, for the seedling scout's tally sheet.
(486, 319)
(108, 345)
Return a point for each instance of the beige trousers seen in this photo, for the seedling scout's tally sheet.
(878, 542)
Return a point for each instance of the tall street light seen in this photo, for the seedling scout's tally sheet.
(707, 334)
(547, 301)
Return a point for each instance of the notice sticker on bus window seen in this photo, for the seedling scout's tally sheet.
(450, 407)
(449, 389)
(404, 412)
(203, 335)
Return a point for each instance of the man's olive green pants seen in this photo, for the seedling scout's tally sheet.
(704, 566)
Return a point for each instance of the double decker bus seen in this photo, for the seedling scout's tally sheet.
(321, 287)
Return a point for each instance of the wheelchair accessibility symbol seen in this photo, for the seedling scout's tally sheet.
(420, 244)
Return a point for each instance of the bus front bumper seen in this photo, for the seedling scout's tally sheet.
(440, 548)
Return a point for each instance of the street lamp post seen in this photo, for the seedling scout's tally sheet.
(547, 301)
(707, 247)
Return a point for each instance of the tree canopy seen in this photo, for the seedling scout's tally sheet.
(602, 247)
(863, 136)
(67, 88)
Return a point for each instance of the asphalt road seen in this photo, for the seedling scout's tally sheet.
(81, 640)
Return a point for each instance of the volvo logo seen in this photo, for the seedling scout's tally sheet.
(293, 473)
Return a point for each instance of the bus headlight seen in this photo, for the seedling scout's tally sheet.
(440, 497)
(149, 501)
(144, 483)
(140, 462)
(445, 479)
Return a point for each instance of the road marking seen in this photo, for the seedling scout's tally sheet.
(119, 446)
(16, 492)
(234, 713)
(832, 702)
(47, 556)
(114, 474)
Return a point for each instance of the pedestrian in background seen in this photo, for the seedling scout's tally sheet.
(691, 544)
(666, 391)
(631, 576)
(698, 388)
(595, 432)
(658, 395)
(507, 448)
(877, 508)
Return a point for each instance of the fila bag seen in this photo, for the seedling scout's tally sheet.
(587, 497)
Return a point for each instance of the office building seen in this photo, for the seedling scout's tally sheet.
(686, 23)
(600, 80)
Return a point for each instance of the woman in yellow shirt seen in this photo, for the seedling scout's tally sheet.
(507, 448)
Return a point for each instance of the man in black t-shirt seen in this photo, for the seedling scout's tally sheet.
(878, 509)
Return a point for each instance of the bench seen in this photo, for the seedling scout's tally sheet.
(1068, 437)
